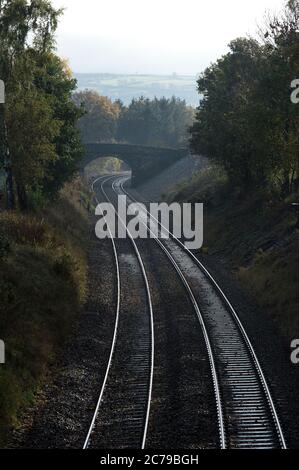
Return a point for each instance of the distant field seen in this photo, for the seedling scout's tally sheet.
(127, 87)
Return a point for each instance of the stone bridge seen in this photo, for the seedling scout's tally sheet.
(145, 162)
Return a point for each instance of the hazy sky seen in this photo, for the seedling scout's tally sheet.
(154, 36)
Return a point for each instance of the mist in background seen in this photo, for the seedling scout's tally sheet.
(154, 36)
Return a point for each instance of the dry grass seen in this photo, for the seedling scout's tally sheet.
(259, 239)
(274, 279)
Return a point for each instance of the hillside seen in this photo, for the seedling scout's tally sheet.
(127, 87)
(257, 239)
(156, 187)
(42, 288)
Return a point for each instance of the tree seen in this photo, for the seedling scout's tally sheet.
(99, 123)
(222, 130)
(136, 122)
(246, 121)
(159, 122)
(32, 130)
(54, 77)
(282, 46)
(23, 24)
(41, 117)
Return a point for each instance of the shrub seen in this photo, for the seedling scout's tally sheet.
(4, 246)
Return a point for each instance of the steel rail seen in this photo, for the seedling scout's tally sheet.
(222, 433)
(96, 412)
(234, 315)
(148, 293)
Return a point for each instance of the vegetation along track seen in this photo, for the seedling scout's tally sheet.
(246, 411)
(122, 412)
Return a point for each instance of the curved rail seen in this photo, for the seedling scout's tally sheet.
(95, 415)
(149, 300)
(235, 317)
(222, 433)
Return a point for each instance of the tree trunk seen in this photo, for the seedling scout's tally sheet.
(10, 196)
(22, 196)
(5, 161)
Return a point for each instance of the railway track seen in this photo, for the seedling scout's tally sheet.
(121, 416)
(247, 415)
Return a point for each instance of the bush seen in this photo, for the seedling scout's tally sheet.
(21, 229)
(4, 246)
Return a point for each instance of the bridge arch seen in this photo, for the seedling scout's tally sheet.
(145, 162)
(106, 166)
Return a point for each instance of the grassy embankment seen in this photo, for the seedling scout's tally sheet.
(42, 287)
(258, 237)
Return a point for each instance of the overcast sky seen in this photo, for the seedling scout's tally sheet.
(154, 36)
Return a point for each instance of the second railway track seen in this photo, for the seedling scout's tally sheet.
(246, 411)
(247, 416)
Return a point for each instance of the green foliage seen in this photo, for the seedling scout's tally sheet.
(55, 80)
(158, 122)
(246, 121)
(32, 146)
(24, 23)
(104, 165)
(99, 124)
(43, 145)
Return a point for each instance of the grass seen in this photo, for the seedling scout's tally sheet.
(257, 236)
(42, 288)
(274, 279)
